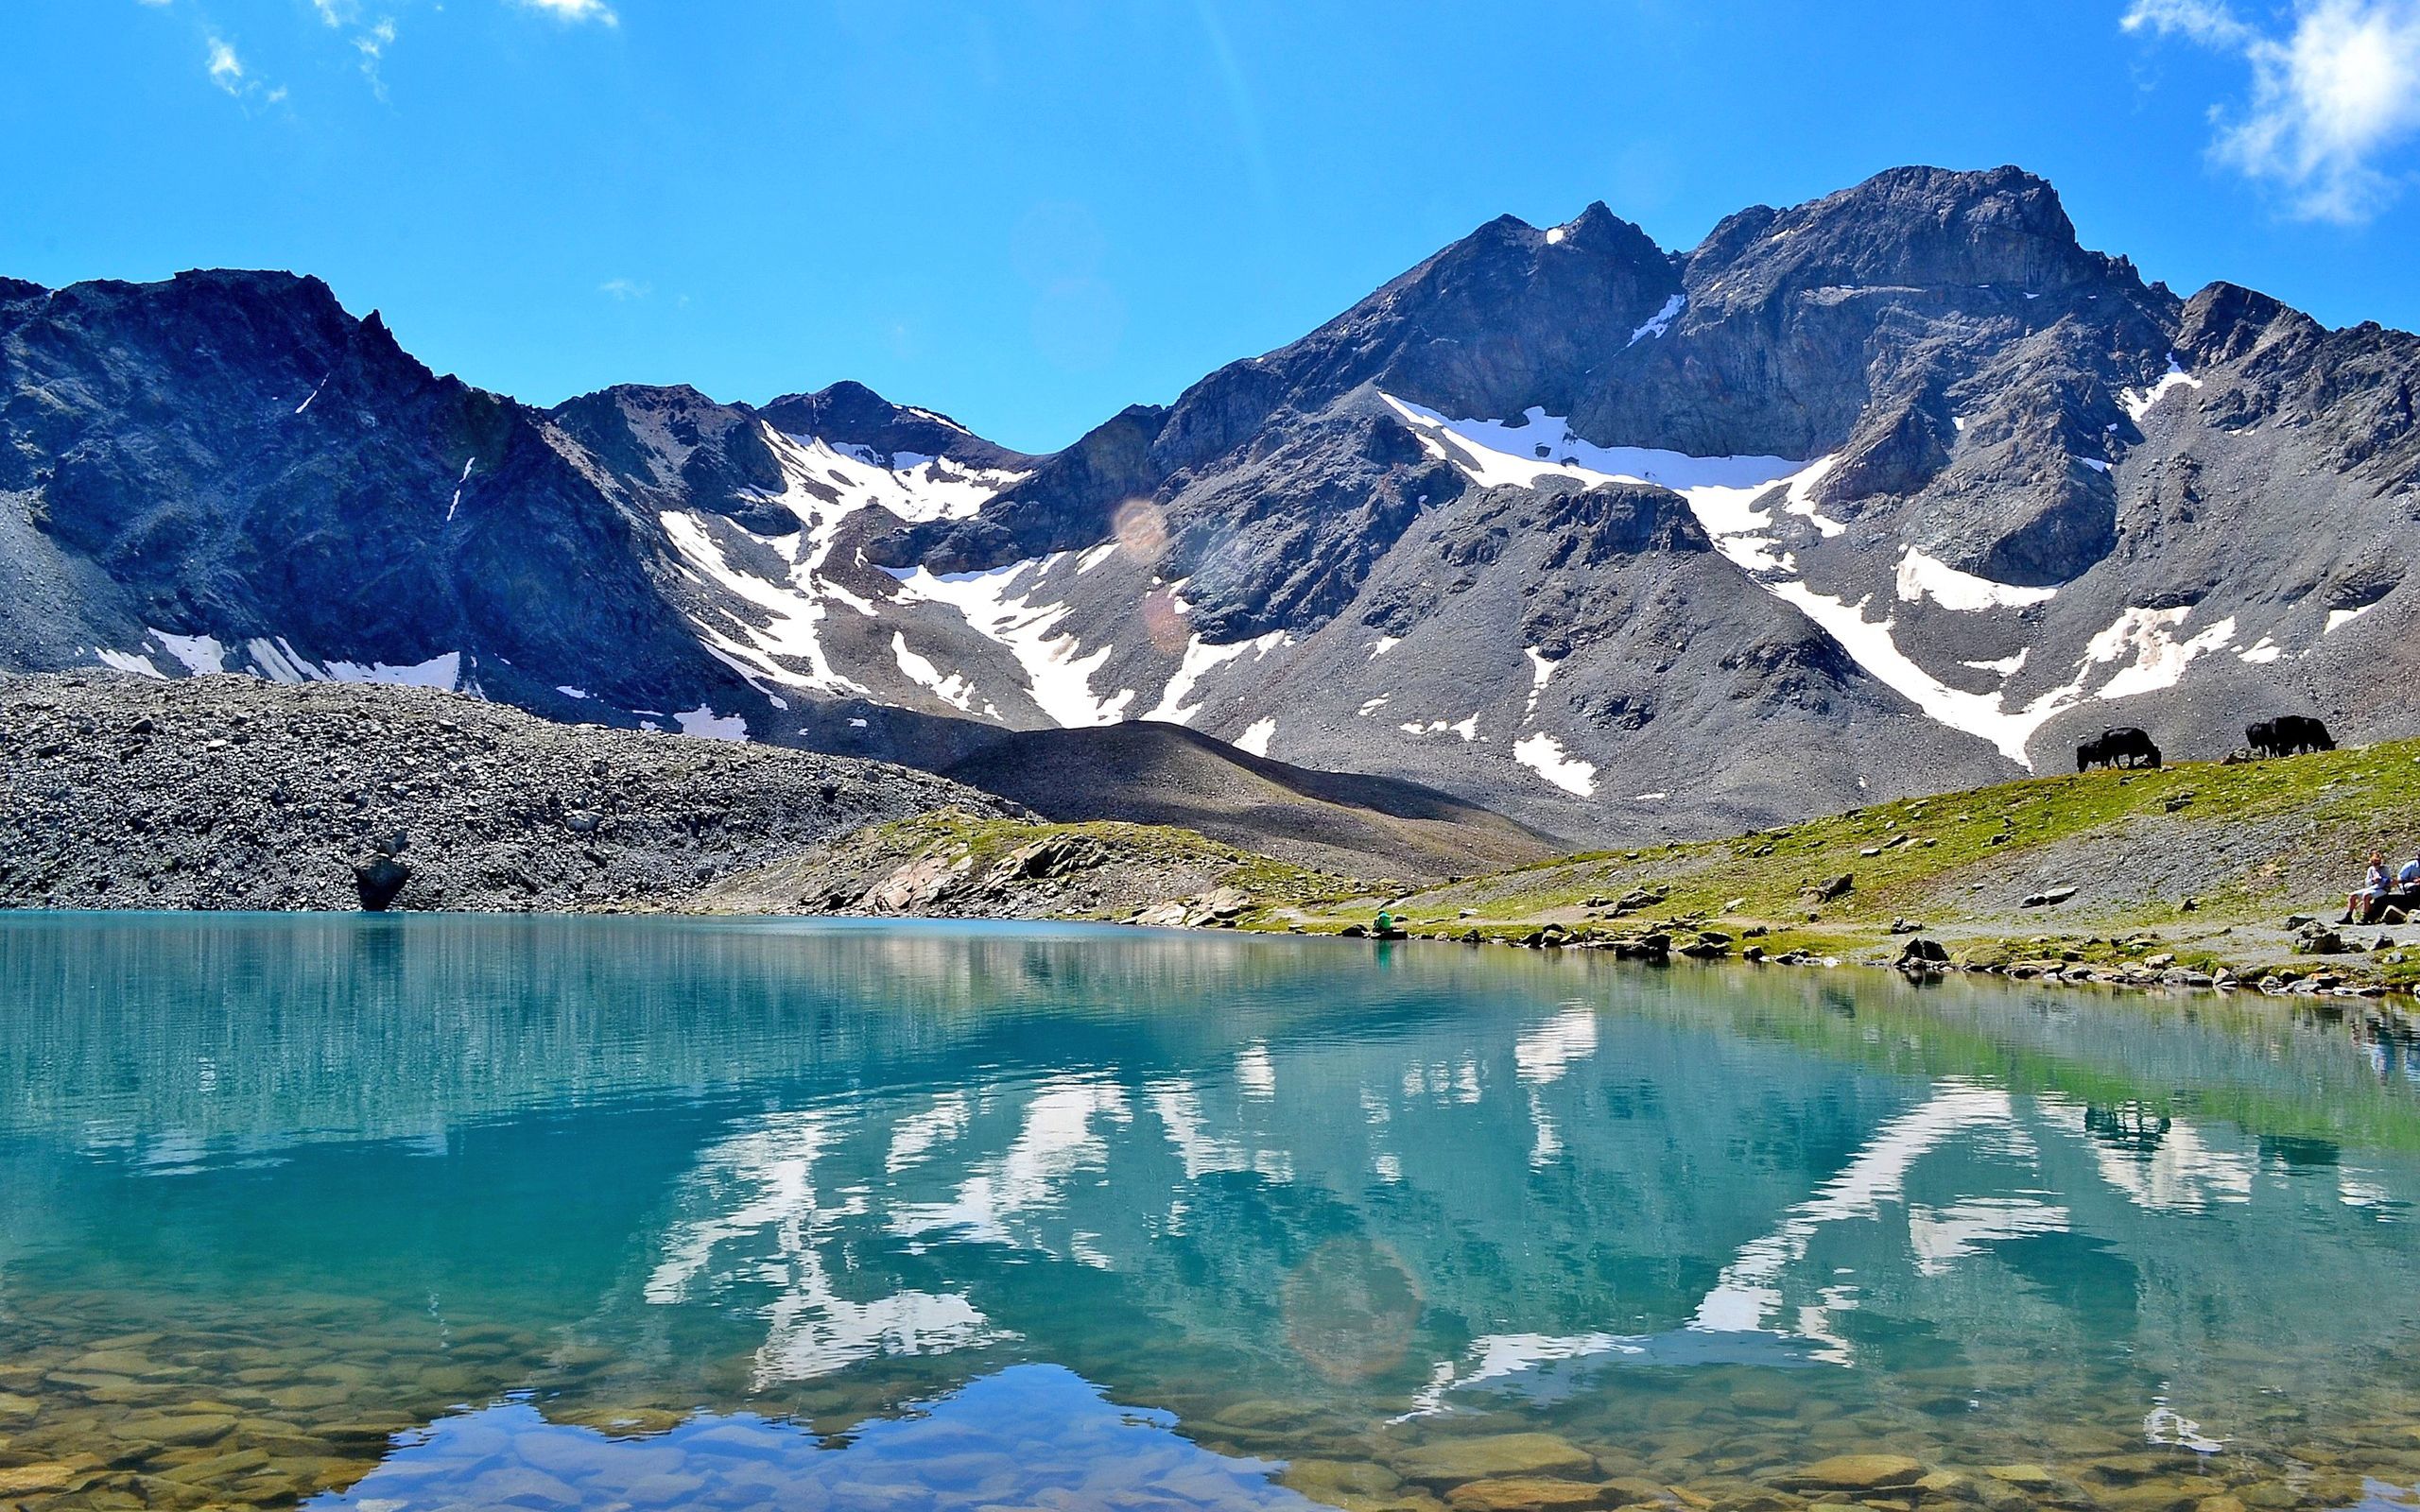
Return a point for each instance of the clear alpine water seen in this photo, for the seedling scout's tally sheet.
(414, 1214)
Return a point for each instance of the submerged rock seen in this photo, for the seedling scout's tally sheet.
(1524, 1493)
(1446, 1461)
(1857, 1472)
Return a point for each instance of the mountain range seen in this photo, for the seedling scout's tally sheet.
(1896, 492)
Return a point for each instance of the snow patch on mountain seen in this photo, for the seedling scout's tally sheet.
(1543, 754)
(131, 662)
(1922, 576)
(996, 607)
(1732, 497)
(953, 690)
(788, 650)
(1256, 736)
(702, 723)
(2139, 403)
(2160, 657)
(1542, 445)
(200, 654)
(444, 673)
(1540, 672)
(1202, 658)
(278, 661)
(1871, 644)
(1661, 320)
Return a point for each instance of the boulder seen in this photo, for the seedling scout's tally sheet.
(2318, 940)
(380, 878)
(1923, 954)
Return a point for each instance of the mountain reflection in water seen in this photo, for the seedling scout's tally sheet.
(1031, 1435)
(806, 1205)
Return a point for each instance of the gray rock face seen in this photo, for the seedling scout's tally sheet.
(1895, 492)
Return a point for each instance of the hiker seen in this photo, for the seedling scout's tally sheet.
(2374, 889)
(2407, 880)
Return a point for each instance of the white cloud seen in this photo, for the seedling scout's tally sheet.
(575, 9)
(2328, 101)
(225, 69)
(622, 288)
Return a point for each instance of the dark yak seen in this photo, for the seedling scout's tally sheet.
(2124, 747)
(2288, 736)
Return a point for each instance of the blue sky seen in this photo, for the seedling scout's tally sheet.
(1031, 212)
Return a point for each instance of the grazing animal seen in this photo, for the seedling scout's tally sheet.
(2288, 736)
(2123, 747)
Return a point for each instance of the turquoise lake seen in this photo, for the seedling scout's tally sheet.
(407, 1214)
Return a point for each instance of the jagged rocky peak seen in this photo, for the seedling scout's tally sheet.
(1069, 501)
(1868, 323)
(851, 414)
(157, 349)
(1509, 317)
(676, 448)
(1913, 228)
(2226, 321)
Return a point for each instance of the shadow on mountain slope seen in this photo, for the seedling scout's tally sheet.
(1152, 773)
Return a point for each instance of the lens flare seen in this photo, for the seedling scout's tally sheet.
(1351, 1308)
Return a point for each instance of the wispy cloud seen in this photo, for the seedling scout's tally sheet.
(370, 39)
(575, 9)
(2330, 100)
(622, 288)
(225, 69)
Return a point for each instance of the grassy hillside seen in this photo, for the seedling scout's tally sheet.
(2203, 861)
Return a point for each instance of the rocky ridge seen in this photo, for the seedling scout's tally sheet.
(228, 793)
(952, 863)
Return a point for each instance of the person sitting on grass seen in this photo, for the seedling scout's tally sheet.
(2373, 890)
